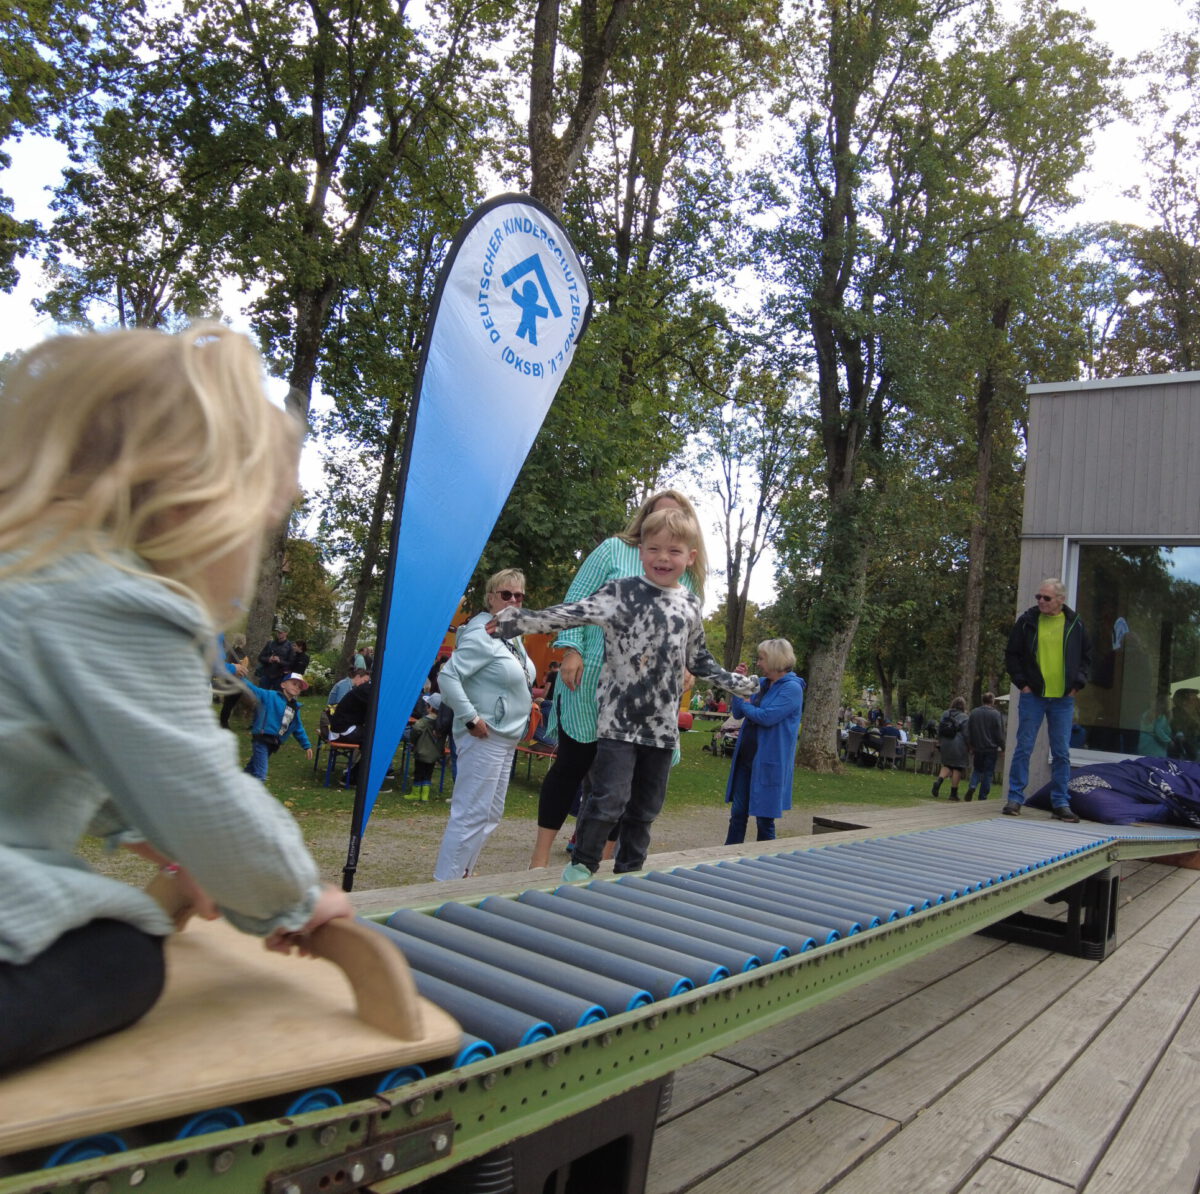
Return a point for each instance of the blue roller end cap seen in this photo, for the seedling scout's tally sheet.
(216, 1120)
(321, 1098)
(406, 1075)
(540, 1031)
(473, 1049)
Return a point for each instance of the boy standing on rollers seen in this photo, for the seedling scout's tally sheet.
(652, 633)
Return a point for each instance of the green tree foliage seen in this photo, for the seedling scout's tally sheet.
(749, 463)
(653, 216)
(126, 246)
(1049, 91)
(307, 601)
(370, 372)
(904, 122)
(294, 123)
(1158, 312)
(52, 53)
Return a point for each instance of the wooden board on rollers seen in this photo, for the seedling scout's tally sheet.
(235, 1023)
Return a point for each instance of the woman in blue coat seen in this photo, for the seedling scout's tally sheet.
(760, 777)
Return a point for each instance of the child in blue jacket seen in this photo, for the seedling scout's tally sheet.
(276, 719)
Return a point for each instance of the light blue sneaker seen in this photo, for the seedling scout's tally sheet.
(576, 873)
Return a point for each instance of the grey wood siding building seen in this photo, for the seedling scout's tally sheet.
(1112, 506)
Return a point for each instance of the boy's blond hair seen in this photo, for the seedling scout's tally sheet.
(677, 524)
(138, 441)
(636, 528)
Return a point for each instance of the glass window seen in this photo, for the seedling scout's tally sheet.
(1141, 605)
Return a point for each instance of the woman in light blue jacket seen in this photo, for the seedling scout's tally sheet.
(760, 776)
(487, 683)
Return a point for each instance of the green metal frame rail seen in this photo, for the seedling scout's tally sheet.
(393, 1142)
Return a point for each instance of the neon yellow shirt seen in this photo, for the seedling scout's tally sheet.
(1050, 654)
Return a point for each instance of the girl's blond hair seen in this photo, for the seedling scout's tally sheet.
(632, 534)
(138, 441)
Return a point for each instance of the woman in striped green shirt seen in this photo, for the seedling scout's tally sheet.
(574, 711)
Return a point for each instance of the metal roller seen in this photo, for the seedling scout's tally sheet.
(684, 920)
(649, 895)
(706, 898)
(918, 867)
(903, 904)
(750, 896)
(613, 997)
(660, 982)
(820, 864)
(939, 858)
(697, 971)
(505, 1027)
(861, 904)
(652, 929)
(560, 1010)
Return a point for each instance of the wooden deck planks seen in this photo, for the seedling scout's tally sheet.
(1157, 1147)
(805, 1156)
(703, 1080)
(1068, 1128)
(786, 1040)
(995, 1177)
(972, 1070)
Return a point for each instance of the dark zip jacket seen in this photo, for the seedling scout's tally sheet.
(1021, 656)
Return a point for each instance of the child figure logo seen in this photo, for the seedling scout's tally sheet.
(527, 298)
(531, 299)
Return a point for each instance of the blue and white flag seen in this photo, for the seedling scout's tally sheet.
(510, 307)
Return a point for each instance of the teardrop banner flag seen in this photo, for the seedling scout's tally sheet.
(510, 306)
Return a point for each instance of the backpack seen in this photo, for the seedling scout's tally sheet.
(948, 726)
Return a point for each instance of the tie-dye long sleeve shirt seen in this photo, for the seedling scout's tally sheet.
(651, 635)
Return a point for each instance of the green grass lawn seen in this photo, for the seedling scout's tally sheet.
(698, 780)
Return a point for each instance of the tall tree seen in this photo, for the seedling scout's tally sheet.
(749, 463)
(852, 195)
(1168, 255)
(597, 26)
(896, 120)
(370, 371)
(304, 116)
(653, 215)
(1048, 92)
(52, 56)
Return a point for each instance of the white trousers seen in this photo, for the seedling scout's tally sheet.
(484, 767)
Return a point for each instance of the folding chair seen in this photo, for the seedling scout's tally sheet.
(889, 751)
(854, 741)
(926, 756)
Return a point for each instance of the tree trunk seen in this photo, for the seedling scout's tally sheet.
(372, 546)
(843, 583)
(967, 662)
(735, 608)
(312, 308)
(552, 159)
(823, 698)
(887, 688)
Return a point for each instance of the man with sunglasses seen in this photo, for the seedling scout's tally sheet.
(1049, 658)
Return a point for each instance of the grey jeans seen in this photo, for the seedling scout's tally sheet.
(629, 784)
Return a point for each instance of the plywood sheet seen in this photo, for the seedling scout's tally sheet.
(236, 1022)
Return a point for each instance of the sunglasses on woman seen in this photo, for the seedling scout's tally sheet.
(509, 595)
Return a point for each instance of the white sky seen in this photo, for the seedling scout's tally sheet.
(1127, 27)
